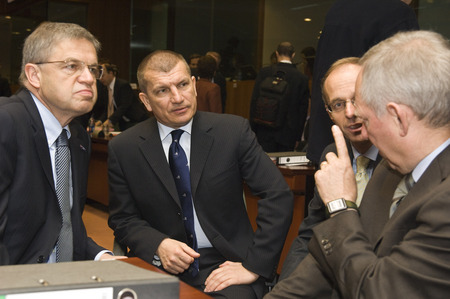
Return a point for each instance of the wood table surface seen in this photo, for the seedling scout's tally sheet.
(186, 291)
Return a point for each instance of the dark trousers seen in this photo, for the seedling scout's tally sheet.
(210, 259)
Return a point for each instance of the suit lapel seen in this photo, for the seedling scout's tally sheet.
(377, 200)
(79, 156)
(436, 172)
(153, 152)
(201, 143)
(40, 139)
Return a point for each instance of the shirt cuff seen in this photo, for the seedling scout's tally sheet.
(97, 257)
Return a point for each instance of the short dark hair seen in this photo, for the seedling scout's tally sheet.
(193, 56)
(161, 61)
(206, 67)
(286, 49)
(109, 67)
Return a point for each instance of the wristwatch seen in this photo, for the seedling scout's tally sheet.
(338, 205)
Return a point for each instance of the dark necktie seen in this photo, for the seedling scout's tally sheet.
(64, 245)
(402, 189)
(180, 171)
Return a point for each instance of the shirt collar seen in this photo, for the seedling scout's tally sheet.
(372, 153)
(164, 130)
(423, 165)
(111, 85)
(52, 126)
(286, 61)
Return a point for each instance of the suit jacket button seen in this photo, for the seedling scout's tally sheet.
(324, 241)
(40, 259)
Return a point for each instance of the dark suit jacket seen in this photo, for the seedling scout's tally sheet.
(30, 218)
(292, 129)
(351, 28)
(208, 96)
(145, 208)
(316, 214)
(127, 104)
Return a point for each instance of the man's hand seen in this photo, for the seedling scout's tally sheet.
(176, 256)
(336, 178)
(107, 256)
(108, 124)
(229, 273)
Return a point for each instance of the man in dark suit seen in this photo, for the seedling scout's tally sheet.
(122, 108)
(402, 96)
(287, 136)
(59, 71)
(222, 152)
(351, 28)
(338, 91)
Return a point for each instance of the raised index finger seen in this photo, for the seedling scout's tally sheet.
(339, 139)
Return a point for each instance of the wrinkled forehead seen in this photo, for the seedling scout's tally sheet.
(176, 75)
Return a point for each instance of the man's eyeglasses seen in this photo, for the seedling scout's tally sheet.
(339, 105)
(73, 66)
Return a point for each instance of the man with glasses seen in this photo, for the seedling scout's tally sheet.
(338, 90)
(43, 156)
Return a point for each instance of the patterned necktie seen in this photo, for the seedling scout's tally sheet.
(180, 171)
(362, 177)
(64, 245)
(110, 102)
(403, 188)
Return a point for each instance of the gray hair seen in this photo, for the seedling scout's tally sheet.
(160, 61)
(413, 69)
(38, 45)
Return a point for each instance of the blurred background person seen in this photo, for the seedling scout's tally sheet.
(208, 93)
(121, 107)
(218, 78)
(292, 109)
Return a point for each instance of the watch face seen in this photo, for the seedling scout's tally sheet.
(336, 205)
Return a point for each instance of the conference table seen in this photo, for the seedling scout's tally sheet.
(295, 176)
(186, 291)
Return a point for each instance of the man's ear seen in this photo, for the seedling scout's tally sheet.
(145, 100)
(33, 74)
(401, 115)
(195, 85)
(329, 113)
